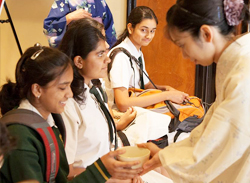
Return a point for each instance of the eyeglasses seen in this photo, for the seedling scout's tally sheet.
(38, 52)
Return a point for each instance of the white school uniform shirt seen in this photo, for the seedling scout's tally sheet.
(87, 131)
(121, 73)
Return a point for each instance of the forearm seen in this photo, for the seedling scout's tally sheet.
(93, 173)
(160, 87)
(124, 102)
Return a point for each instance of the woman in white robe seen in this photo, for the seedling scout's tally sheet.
(218, 150)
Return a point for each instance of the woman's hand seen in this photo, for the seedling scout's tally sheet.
(154, 162)
(118, 169)
(77, 14)
(126, 118)
(151, 146)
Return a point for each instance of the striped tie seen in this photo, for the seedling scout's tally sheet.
(141, 73)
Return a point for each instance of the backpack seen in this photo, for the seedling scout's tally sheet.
(184, 117)
(37, 123)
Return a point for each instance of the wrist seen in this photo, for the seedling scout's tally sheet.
(68, 18)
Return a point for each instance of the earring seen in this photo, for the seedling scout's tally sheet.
(38, 96)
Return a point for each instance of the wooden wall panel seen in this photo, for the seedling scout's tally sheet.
(164, 61)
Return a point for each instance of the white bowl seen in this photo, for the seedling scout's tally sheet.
(134, 153)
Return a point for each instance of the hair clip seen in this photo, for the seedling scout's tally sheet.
(37, 53)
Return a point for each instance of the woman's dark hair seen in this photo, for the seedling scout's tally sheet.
(80, 39)
(39, 65)
(136, 16)
(7, 142)
(190, 15)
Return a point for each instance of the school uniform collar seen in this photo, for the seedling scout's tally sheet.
(25, 104)
(132, 49)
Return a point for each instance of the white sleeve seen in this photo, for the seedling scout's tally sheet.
(121, 72)
(72, 122)
(221, 143)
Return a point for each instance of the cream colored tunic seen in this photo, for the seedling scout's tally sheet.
(219, 149)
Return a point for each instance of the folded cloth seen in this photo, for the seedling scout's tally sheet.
(146, 126)
(149, 125)
(155, 177)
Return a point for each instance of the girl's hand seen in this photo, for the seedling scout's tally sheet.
(126, 118)
(176, 96)
(118, 169)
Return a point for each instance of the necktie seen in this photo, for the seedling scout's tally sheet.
(111, 123)
(141, 73)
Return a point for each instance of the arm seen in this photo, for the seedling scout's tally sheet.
(123, 101)
(122, 77)
(59, 17)
(109, 26)
(149, 85)
(108, 166)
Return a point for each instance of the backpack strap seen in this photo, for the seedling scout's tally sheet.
(36, 122)
(108, 116)
(115, 52)
(123, 138)
(175, 122)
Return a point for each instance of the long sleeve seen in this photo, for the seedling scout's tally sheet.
(109, 26)
(94, 173)
(55, 24)
(28, 161)
(218, 149)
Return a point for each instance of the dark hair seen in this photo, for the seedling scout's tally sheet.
(39, 65)
(136, 16)
(80, 39)
(190, 15)
(7, 142)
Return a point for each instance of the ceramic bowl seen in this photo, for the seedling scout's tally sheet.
(134, 153)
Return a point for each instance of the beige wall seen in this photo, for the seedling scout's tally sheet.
(28, 16)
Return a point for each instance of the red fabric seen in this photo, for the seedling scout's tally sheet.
(48, 152)
(56, 147)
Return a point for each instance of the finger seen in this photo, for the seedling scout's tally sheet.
(117, 152)
(148, 169)
(126, 173)
(143, 145)
(152, 163)
(127, 165)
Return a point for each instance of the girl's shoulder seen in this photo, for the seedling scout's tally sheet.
(26, 137)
